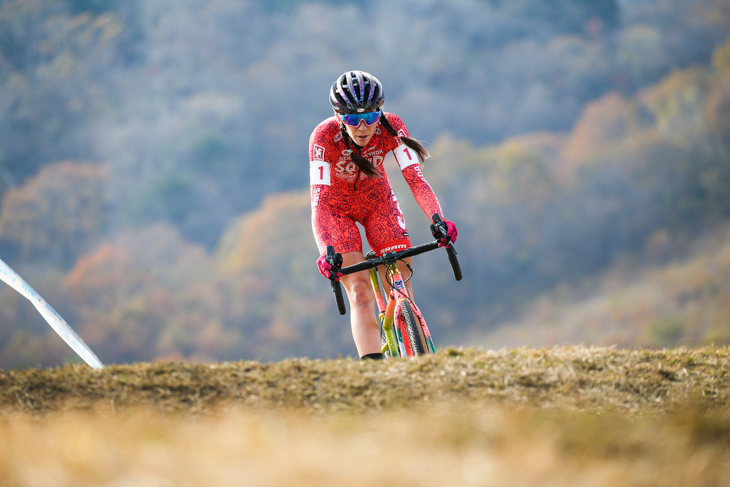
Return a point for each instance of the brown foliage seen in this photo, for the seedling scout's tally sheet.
(277, 294)
(150, 294)
(717, 107)
(603, 124)
(56, 214)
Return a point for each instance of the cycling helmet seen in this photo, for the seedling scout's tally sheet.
(356, 92)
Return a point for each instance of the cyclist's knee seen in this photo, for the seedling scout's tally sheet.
(360, 293)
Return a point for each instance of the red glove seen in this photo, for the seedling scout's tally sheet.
(325, 268)
(451, 234)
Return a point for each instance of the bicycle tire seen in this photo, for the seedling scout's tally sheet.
(413, 328)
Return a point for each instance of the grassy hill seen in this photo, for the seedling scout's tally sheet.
(522, 417)
(591, 379)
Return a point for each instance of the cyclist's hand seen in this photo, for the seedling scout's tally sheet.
(325, 268)
(444, 235)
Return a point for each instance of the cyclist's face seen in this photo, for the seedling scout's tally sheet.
(362, 133)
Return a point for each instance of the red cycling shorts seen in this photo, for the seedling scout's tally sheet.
(384, 224)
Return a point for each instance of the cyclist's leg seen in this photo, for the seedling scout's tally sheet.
(365, 328)
(386, 231)
(342, 233)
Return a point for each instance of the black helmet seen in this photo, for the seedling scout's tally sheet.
(356, 92)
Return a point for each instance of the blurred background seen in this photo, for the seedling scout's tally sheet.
(154, 170)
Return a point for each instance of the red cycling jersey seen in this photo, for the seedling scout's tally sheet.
(342, 195)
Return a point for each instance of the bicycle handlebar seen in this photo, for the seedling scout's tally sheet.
(388, 258)
(439, 230)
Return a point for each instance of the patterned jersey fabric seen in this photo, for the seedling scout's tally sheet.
(342, 195)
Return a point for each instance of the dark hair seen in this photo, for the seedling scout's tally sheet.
(366, 166)
(412, 144)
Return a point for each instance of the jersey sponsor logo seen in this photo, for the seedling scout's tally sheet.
(346, 168)
(315, 197)
(402, 133)
(318, 152)
(393, 248)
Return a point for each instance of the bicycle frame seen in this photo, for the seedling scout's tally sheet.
(399, 314)
(397, 341)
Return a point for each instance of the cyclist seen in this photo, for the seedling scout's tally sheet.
(349, 184)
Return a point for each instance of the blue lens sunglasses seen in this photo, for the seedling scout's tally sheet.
(353, 119)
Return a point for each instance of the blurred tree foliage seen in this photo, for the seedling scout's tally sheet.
(277, 295)
(193, 105)
(566, 135)
(57, 215)
(150, 294)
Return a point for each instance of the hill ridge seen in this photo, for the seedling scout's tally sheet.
(628, 381)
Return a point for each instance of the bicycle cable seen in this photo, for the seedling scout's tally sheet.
(389, 275)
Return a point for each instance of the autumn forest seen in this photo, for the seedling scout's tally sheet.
(154, 174)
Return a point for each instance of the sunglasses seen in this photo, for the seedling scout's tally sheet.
(353, 119)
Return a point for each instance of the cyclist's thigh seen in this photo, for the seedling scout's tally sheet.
(342, 232)
(385, 227)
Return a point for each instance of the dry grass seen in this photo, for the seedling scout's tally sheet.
(525, 417)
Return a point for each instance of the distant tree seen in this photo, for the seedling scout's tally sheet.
(602, 125)
(717, 104)
(280, 300)
(54, 77)
(643, 53)
(57, 214)
(150, 295)
(677, 102)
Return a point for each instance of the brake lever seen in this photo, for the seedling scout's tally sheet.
(438, 227)
(335, 260)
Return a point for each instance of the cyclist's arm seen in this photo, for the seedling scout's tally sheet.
(322, 220)
(422, 191)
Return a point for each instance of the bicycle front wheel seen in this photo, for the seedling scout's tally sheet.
(416, 334)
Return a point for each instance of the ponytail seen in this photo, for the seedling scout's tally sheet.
(411, 143)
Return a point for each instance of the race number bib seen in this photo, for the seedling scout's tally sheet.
(319, 173)
(405, 156)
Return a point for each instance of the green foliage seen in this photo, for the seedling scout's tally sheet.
(666, 331)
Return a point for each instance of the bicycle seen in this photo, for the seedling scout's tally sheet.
(403, 329)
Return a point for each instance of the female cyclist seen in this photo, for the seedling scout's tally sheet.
(349, 184)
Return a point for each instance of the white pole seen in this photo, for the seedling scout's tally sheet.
(67, 333)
